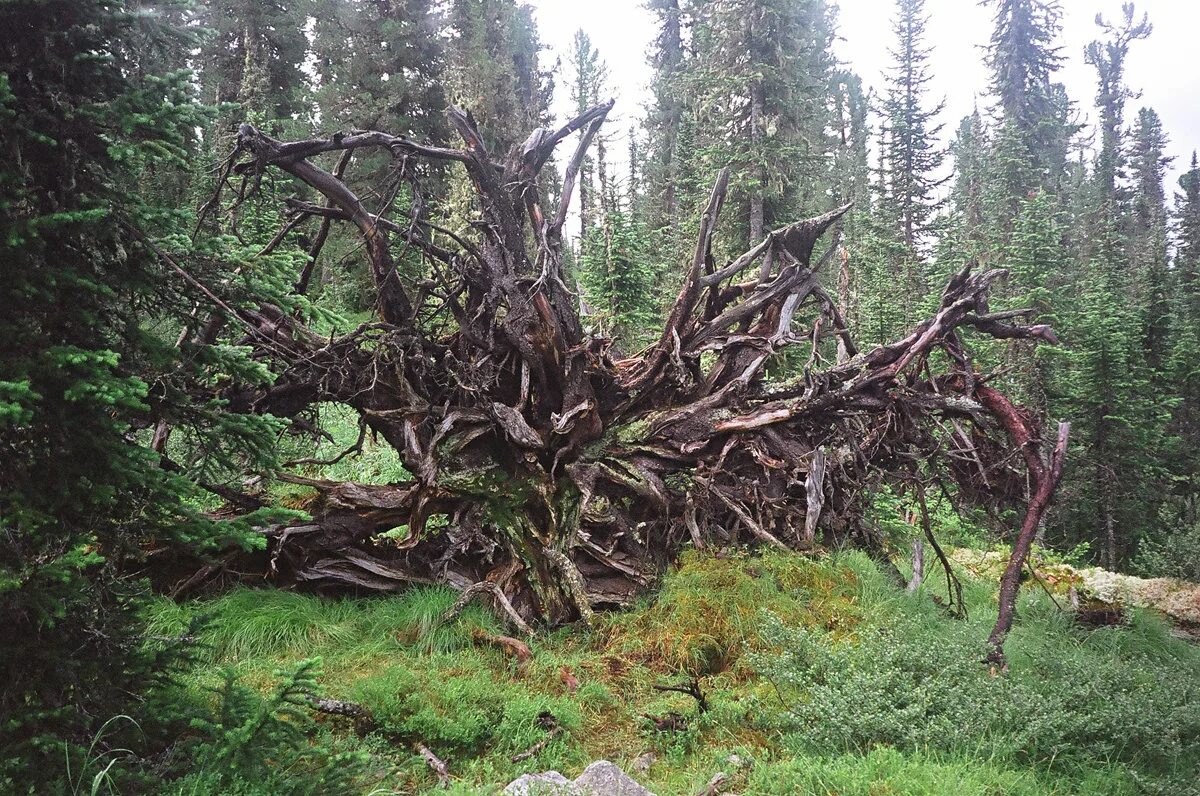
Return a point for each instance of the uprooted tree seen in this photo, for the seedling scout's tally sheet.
(563, 474)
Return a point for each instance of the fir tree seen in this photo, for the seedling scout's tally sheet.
(1108, 59)
(380, 65)
(1111, 388)
(494, 69)
(763, 68)
(1183, 370)
(664, 116)
(253, 54)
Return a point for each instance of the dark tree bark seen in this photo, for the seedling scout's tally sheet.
(565, 475)
(1044, 477)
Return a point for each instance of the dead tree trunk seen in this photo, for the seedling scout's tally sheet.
(564, 476)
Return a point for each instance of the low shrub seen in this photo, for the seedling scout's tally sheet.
(914, 681)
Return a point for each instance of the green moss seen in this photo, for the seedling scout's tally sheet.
(709, 612)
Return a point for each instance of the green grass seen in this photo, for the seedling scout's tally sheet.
(827, 678)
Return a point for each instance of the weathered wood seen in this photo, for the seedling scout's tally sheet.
(1044, 477)
(439, 766)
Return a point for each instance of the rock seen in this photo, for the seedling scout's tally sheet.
(548, 783)
(602, 778)
(737, 761)
(643, 763)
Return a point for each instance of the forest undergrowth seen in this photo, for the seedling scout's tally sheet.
(818, 675)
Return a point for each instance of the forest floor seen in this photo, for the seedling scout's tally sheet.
(820, 677)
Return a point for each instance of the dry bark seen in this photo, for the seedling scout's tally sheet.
(564, 474)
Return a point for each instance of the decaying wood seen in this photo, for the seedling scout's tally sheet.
(918, 564)
(436, 763)
(954, 591)
(671, 722)
(715, 785)
(510, 646)
(364, 721)
(692, 689)
(487, 587)
(559, 475)
(549, 723)
(1044, 477)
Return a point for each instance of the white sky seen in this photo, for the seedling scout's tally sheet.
(1161, 67)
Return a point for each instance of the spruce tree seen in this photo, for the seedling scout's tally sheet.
(1148, 234)
(910, 156)
(252, 54)
(494, 69)
(1023, 58)
(1185, 375)
(665, 116)
(1108, 59)
(380, 65)
(762, 70)
(587, 85)
(910, 160)
(89, 312)
(1122, 424)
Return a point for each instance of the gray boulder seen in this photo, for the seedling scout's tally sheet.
(548, 783)
(602, 778)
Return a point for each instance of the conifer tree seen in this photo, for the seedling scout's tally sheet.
(1023, 58)
(494, 68)
(380, 65)
(587, 85)
(1184, 374)
(665, 116)
(910, 160)
(1148, 233)
(764, 68)
(618, 280)
(253, 56)
(968, 194)
(1108, 59)
(88, 362)
(1111, 391)
(910, 156)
